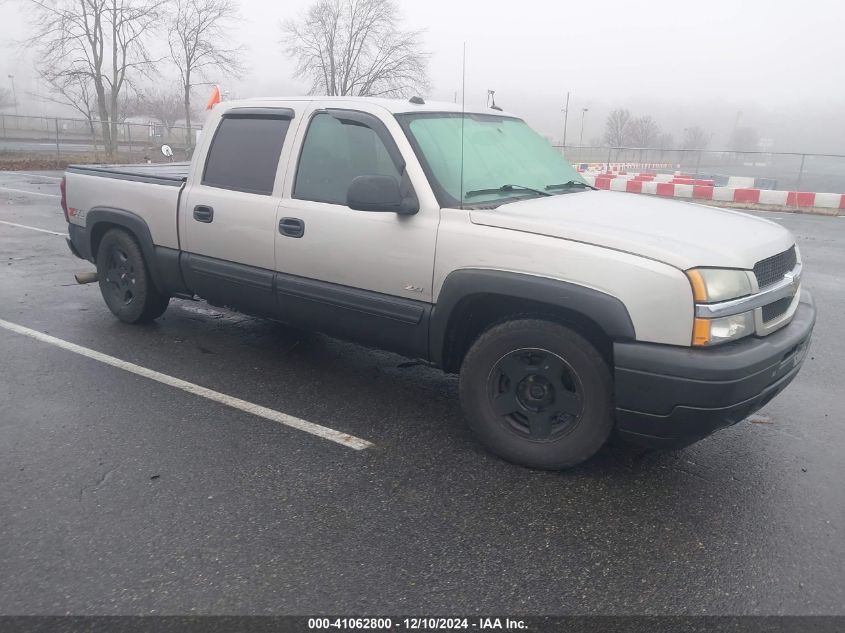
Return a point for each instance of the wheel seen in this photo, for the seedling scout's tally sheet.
(124, 280)
(537, 393)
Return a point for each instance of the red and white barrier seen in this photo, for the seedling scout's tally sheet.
(678, 187)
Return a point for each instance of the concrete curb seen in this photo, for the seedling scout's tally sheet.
(687, 188)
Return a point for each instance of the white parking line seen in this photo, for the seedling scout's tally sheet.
(32, 228)
(34, 193)
(350, 441)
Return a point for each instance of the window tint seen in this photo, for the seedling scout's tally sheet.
(335, 153)
(244, 154)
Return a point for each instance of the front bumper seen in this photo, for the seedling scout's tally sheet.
(672, 396)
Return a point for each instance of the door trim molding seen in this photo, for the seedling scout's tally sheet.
(350, 298)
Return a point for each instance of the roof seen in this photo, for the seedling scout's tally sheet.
(395, 106)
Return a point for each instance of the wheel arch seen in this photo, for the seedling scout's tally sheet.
(101, 219)
(472, 300)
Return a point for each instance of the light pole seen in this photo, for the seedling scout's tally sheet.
(583, 113)
(565, 119)
(14, 94)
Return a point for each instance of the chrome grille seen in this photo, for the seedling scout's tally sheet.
(776, 309)
(772, 269)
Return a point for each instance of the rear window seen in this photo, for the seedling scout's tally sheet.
(244, 154)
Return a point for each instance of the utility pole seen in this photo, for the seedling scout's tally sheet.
(583, 113)
(565, 118)
(14, 94)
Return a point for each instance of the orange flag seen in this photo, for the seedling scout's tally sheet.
(215, 98)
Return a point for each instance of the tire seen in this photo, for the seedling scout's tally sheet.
(125, 281)
(537, 393)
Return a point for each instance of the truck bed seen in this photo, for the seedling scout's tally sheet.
(173, 174)
(149, 192)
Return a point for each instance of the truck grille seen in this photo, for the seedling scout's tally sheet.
(776, 309)
(772, 269)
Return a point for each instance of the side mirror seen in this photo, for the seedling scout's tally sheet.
(379, 193)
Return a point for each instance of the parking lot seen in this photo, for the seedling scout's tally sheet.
(125, 494)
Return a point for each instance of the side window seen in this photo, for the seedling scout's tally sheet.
(335, 153)
(244, 153)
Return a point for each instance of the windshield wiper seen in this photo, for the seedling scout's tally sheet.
(505, 189)
(570, 184)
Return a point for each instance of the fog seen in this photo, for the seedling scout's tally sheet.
(771, 65)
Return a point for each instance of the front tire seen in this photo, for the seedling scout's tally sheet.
(125, 281)
(537, 393)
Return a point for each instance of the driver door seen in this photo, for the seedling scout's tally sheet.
(366, 274)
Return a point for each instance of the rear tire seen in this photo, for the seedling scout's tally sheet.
(537, 393)
(125, 281)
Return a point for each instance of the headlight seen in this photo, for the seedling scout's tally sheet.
(710, 285)
(730, 328)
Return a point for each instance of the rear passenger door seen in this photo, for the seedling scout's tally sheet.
(228, 213)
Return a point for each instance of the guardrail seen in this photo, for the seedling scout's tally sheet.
(791, 171)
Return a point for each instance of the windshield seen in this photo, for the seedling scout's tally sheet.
(504, 159)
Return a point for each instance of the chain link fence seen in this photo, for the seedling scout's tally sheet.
(78, 140)
(790, 171)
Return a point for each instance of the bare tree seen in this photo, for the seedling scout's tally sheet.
(75, 90)
(745, 139)
(101, 42)
(643, 132)
(666, 141)
(695, 138)
(357, 47)
(199, 27)
(6, 99)
(162, 105)
(617, 128)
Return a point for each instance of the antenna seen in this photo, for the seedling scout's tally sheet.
(491, 100)
(463, 116)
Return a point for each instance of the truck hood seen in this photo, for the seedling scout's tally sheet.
(682, 234)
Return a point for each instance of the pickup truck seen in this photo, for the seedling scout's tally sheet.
(464, 239)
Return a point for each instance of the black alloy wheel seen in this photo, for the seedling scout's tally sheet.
(120, 276)
(536, 393)
(125, 281)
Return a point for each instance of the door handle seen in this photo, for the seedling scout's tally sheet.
(292, 227)
(203, 213)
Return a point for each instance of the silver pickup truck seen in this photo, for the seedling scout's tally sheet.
(464, 239)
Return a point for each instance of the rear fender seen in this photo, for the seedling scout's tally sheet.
(162, 263)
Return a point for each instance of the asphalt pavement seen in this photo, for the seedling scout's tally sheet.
(120, 494)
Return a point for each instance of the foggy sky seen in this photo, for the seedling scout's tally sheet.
(773, 65)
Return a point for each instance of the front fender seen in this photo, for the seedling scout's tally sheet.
(606, 311)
